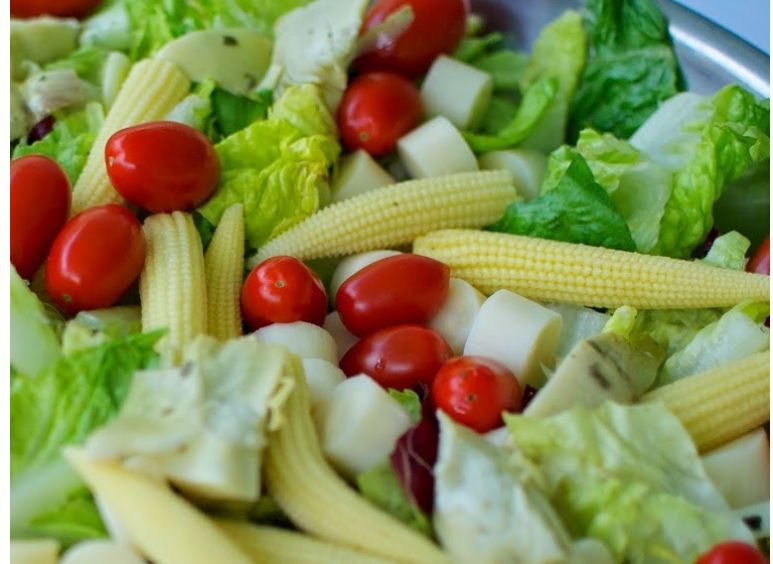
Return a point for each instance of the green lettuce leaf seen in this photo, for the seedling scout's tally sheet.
(577, 210)
(34, 341)
(62, 405)
(631, 477)
(86, 62)
(728, 251)
(277, 168)
(97, 326)
(409, 400)
(536, 102)
(490, 54)
(70, 141)
(638, 187)
(381, 486)
(558, 52)
(672, 329)
(631, 67)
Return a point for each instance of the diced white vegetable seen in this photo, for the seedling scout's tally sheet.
(527, 167)
(436, 148)
(455, 317)
(589, 551)
(114, 72)
(353, 264)
(343, 338)
(52, 90)
(519, 333)
(216, 468)
(359, 173)
(757, 517)
(305, 340)
(362, 425)
(457, 91)
(100, 552)
(578, 323)
(499, 437)
(322, 379)
(741, 469)
(39, 551)
(236, 59)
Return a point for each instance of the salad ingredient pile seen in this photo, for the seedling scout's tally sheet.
(340, 281)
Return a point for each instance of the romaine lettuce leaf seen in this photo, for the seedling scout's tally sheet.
(631, 477)
(277, 168)
(70, 141)
(577, 210)
(728, 251)
(62, 405)
(489, 53)
(631, 67)
(672, 329)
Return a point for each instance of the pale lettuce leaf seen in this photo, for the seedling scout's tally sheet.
(728, 251)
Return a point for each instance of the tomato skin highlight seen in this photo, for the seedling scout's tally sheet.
(438, 26)
(40, 203)
(732, 552)
(58, 8)
(95, 258)
(376, 110)
(282, 290)
(398, 357)
(475, 390)
(162, 166)
(401, 289)
(760, 262)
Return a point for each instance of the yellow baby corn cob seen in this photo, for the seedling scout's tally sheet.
(274, 545)
(224, 262)
(720, 404)
(151, 90)
(395, 215)
(591, 276)
(318, 501)
(173, 290)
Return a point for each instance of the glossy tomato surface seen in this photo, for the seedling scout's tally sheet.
(162, 166)
(437, 27)
(283, 290)
(760, 262)
(732, 553)
(401, 289)
(95, 258)
(474, 391)
(59, 8)
(398, 357)
(40, 202)
(376, 110)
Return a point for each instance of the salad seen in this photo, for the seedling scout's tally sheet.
(341, 281)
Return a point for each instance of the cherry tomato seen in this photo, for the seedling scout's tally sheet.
(732, 552)
(760, 262)
(475, 390)
(376, 110)
(40, 202)
(58, 8)
(162, 166)
(437, 27)
(283, 290)
(404, 288)
(95, 258)
(398, 357)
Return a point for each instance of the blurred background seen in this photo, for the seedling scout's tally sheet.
(749, 19)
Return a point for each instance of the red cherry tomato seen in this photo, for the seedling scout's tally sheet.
(59, 8)
(283, 290)
(162, 166)
(376, 110)
(732, 552)
(474, 391)
(760, 262)
(398, 357)
(400, 289)
(95, 258)
(40, 202)
(437, 27)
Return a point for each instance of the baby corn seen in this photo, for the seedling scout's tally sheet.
(591, 276)
(395, 215)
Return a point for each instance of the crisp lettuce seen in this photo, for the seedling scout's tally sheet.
(70, 141)
(706, 143)
(672, 329)
(631, 67)
(34, 342)
(489, 54)
(97, 326)
(409, 400)
(728, 251)
(631, 477)
(61, 405)
(577, 210)
(277, 168)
